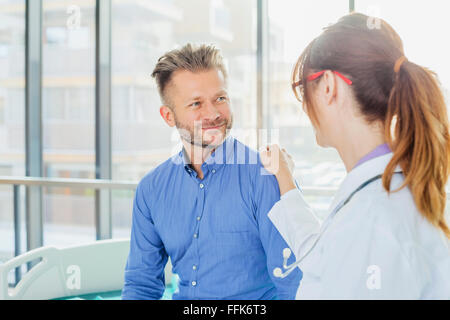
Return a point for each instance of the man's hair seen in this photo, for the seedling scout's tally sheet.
(193, 58)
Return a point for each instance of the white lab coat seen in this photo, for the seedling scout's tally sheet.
(376, 247)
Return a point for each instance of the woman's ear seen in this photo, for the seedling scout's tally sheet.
(168, 115)
(330, 86)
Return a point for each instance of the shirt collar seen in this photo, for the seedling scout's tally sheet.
(222, 155)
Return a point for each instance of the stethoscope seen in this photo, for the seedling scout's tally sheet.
(277, 272)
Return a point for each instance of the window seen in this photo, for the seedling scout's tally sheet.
(54, 101)
(292, 25)
(12, 102)
(68, 97)
(2, 112)
(423, 27)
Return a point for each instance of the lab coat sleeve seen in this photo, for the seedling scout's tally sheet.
(296, 222)
(266, 194)
(144, 271)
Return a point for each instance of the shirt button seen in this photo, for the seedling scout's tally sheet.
(213, 170)
(195, 235)
(194, 283)
(198, 218)
(201, 185)
(194, 267)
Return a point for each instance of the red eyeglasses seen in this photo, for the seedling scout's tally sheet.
(316, 75)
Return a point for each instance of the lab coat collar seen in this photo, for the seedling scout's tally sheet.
(357, 176)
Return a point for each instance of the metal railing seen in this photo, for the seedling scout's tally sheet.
(68, 183)
(96, 184)
(30, 182)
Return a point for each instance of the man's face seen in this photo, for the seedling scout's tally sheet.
(200, 106)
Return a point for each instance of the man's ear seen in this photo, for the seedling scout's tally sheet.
(168, 115)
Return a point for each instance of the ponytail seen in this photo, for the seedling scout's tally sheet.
(417, 130)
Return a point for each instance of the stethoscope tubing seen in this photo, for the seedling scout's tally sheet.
(289, 268)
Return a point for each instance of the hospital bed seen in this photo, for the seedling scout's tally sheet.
(89, 271)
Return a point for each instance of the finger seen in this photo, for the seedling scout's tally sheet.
(265, 150)
(265, 154)
(284, 151)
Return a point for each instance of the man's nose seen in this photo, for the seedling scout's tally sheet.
(210, 111)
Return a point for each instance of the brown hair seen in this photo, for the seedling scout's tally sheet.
(190, 57)
(409, 103)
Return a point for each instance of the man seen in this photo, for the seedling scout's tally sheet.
(207, 206)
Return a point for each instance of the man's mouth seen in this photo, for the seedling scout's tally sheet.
(211, 128)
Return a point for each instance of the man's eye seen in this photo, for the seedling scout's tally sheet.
(221, 99)
(195, 104)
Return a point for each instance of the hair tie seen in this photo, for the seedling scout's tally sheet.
(399, 63)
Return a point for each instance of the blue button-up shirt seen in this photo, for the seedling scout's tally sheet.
(216, 230)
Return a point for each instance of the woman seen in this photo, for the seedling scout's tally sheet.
(386, 236)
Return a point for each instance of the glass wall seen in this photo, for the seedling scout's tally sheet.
(292, 25)
(12, 116)
(423, 28)
(141, 139)
(68, 115)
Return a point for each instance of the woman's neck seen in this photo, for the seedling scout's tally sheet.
(359, 142)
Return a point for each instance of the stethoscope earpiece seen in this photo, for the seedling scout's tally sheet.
(278, 273)
(286, 253)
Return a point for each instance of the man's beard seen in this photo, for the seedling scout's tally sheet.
(187, 133)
